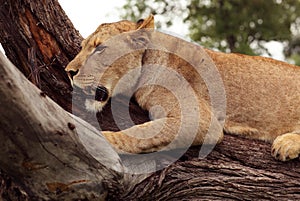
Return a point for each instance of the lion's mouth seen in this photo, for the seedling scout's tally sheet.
(101, 94)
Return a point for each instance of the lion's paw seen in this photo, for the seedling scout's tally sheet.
(286, 147)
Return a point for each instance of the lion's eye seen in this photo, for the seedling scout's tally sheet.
(100, 48)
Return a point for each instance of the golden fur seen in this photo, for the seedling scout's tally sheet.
(263, 97)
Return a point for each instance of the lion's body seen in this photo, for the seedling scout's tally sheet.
(263, 97)
(262, 94)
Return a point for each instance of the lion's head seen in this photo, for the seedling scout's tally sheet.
(81, 69)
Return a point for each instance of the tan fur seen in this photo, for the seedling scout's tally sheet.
(263, 97)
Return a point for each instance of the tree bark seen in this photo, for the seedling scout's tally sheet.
(40, 40)
(43, 158)
(49, 152)
(237, 169)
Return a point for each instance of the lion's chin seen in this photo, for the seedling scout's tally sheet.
(93, 105)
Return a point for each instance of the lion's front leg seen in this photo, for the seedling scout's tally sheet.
(180, 119)
(167, 133)
(147, 137)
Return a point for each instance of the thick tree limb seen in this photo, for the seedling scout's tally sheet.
(51, 153)
(238, 169)
(39, 39)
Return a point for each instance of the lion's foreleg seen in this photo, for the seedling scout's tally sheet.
(148, 137)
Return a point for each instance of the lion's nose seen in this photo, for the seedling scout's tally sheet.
(72, 73)
(101, 94)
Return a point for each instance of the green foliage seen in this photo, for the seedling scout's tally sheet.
(295, 59)
(292, 51)
(228, 25)
(242, 23)
(166, 9)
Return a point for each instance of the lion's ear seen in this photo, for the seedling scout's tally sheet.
(147, 23)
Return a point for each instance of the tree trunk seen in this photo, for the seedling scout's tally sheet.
(40, 40)
(43, 158)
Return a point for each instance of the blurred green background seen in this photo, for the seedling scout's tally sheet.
(229, 25)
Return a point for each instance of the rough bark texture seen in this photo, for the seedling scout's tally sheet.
(40, 40)
(46, 150)
(238, 169)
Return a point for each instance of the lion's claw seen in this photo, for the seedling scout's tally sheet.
(286, 147)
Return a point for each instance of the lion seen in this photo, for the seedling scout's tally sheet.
(262, 94)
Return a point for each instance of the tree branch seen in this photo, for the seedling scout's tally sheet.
(237, 169)
(40, 40)
(51, 153)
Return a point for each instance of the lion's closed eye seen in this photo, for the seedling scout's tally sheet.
(100, 48)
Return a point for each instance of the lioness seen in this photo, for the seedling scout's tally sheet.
(262, 94)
